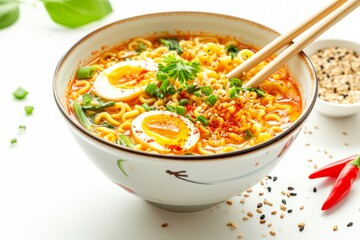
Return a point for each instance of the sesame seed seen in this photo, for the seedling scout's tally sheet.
(259, 205)
(164, 225)
(350, 224)
(272, 233)
(335, 228)
(232, 225)
(291, 188)
(262, 216)
(283, 201)
(314, 189)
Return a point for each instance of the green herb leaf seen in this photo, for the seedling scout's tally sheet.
(76, 13)
(172, 44)
(235, 82)
(13, 141)
(150, 89)
(192, 88)
(232, 51)
(9, 13)
(259, 92)
(178, 69)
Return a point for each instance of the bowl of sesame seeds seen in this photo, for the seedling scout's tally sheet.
(337, 66)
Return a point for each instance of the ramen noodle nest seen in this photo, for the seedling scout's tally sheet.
(170, 95)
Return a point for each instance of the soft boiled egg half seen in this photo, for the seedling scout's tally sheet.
(125, 80)
(165, 132)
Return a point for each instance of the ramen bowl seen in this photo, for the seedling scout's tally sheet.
(336, 62)
(172, 181)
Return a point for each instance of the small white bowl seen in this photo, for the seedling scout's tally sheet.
(327, 108)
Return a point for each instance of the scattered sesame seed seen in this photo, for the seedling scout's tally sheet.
(335, 228)
(258, 210)
(164, 225)
(314, 189)
(272, 233)
(282, 215)
(229, 202)
(262, 221)
(275, 178)
(231, 225)
(283, 207)
(291, 188)
(289, 210)
(273, 212)
(293, 194)
(262, 216)
(350, 224)
(259, 205)
(250, 214)
(302, 207)
(269, 189)
(245, 218)
(283, 201)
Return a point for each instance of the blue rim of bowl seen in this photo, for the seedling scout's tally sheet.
(267, 143)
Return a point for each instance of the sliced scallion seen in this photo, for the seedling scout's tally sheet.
(184, 102)
(86, 72)
(203, 120)
(81, 116)
(29, 110)
(20, 93)
(125, 140)
(211, 100)
(206, 90)
(180, 110)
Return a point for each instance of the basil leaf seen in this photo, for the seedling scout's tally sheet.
(76, 13)
(9, 12)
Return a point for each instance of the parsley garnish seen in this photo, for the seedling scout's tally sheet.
(172, 44)
(232, 51)
(178, 69)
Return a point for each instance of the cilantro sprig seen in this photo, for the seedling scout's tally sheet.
(236, 87)
(178, 69)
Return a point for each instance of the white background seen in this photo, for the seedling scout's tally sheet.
(50, 190)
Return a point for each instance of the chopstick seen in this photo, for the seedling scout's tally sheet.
(330, 15)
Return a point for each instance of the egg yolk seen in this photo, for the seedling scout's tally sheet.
(128, 77)
(167, 130)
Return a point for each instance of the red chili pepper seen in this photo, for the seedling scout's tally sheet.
(333, 169)
(343, 183)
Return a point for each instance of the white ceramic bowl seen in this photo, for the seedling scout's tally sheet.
(181, 182)
(327, 108)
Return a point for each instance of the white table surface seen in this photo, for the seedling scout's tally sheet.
(49, 190)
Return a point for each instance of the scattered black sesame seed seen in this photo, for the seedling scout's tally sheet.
(289, 210)
(283, 201)
(274, 179)
(290, 188)
(350, 224)
(259, 205)
(314, 189)
(262, 216)
(301, 228)
(293, 194)
(269, 189)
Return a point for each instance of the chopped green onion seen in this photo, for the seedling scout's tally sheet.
(180, 110)
(150, 89)
(259, 92)
(86, 72)
(101, 106)
(184, 102)
(197, 94)
(87, 99)
(164, 86)
(235, 82)
(192, 88)
(170, 108)
(125, 140)
(20, 93)
(147, 107)
(141, 47)
(203, 120)
(29, 110)
(234, 92)
(81, 116)
(248, 134)
(161, 76)
(211, 100)
(22, 127)
(206, 90)
(13, 141)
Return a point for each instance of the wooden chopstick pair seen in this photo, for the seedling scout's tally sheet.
(330, 15)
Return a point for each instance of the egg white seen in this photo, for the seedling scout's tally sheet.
(185, 134)
(104, 89)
